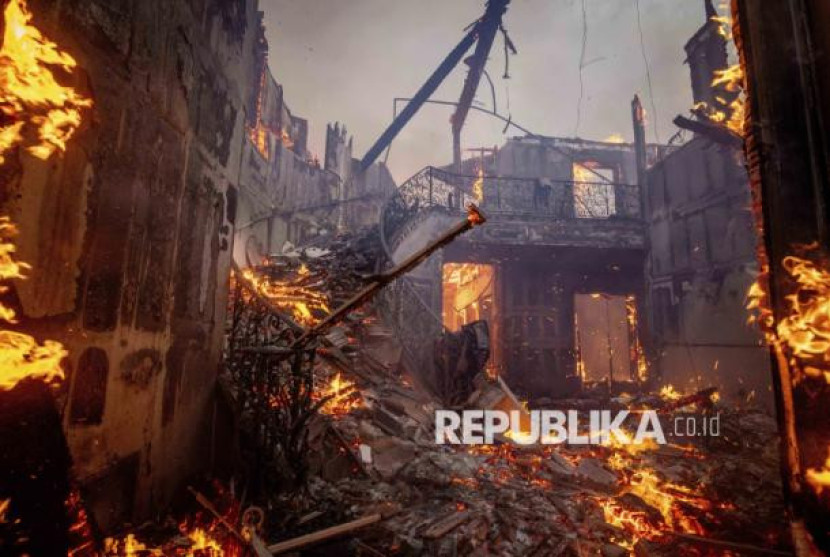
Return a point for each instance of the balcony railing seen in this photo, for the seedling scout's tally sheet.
(513, 197)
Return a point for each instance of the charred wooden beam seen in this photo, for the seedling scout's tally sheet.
(717, 133)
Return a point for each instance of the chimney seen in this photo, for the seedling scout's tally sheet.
(706, 53)
(639, 121)
(710, 10)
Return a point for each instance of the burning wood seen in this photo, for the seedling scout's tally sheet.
(296, 295)
(805, 329)
(339, 397)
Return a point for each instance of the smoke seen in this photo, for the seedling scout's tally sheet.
(346, 61)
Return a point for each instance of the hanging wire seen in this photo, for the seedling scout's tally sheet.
(648, 69)
(581, 68)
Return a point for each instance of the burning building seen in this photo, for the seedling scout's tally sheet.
(213, 333)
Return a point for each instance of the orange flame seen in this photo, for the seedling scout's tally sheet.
(202, 544)
(21, 356)
(668, 392)
(731, 114)
(637, 353)
(614, 138)
(29, 89)
(478, 186)
(805, 330)
(299, 300)
(344, 397)
(807, 327)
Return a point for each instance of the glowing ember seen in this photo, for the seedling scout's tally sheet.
(635, 523)
(819, 479)
(342, 395)
(29, 92)
(21, 356)
(299, 300)
(637, 353)
(478, 186)
(668, 392)
(203, 542)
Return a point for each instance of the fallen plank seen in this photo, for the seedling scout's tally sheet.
(440, 527)
(322, 535)
(741, 548)
(259, 546)
(309, 517)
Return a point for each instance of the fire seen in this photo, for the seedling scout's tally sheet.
(202, 544)
(807, 327)
(21, 356)
(819, 479)
(299, 300)
(668, 392)
(287, 142)
(730, 113)
(805, 330)
(478, 186)
(257, 133)
(614, 138)
(342, 394)
(634, 523)
(29, 91)
(637, 353)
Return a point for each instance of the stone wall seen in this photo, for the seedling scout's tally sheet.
(129, 235)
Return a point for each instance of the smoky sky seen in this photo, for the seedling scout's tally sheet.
(346, 60)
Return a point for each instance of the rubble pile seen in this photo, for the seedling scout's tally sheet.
(374, 482)
(507, 499)
(331, 271)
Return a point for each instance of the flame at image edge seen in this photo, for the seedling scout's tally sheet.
(21, 356)
(29, 91)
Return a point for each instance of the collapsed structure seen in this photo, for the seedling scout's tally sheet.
(605, 271)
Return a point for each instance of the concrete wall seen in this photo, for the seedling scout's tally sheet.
(129, 235)
(701, 264)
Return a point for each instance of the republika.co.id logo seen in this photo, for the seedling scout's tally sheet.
(554, 427)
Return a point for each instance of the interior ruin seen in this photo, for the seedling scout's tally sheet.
(215, 341)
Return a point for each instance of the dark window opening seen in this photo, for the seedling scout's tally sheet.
(90, 392)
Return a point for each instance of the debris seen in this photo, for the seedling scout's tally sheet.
(444, 525)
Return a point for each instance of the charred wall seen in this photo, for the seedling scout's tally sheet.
(130, 234)
(700, 266)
